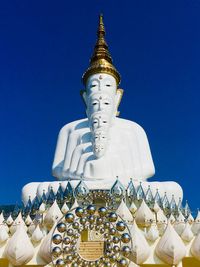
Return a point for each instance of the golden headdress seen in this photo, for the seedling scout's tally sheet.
(101, 61)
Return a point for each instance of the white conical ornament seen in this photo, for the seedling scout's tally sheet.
(9, 221)
(196, 228)
(31, 228)
(52, 216)
(196, 224)
(3, 234)
(187, 234)
(153, 233)
(132, 208)
(179, 225)
(42, 208)
(17, 222)
(141, 250)
(195, 248)
(161, 220)
(124, 212)
(37, 235)
(144, 216)
(28, 220)
(160, 217)
(170, 247)
(5, 226)
(172, 219)
(45, 248)
(64, 208)
(156, 207)
(190, 219)
(197, 219)
(19, 249)
(180, 217)
(2, 219)
(19, 219)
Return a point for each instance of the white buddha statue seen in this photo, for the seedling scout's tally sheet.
(102, 146)
(127, 146)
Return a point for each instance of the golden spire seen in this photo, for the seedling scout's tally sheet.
(101, 61)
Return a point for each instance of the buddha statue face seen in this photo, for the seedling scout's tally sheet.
(99, 149)
(101, 94)
(99, 142)
(102, 99)
(101, 82)
(99, 120)
(100, 136)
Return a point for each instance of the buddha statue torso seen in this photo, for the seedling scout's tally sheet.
(126, 154)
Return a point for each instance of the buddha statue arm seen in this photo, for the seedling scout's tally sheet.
(75, 139)
(79, 150)
(148, 169)
(71, 145)
(82, 162)
(65, 145)
(143, 166)
(60, 151)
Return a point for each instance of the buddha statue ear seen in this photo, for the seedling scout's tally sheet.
(118, 98)
(84, 97)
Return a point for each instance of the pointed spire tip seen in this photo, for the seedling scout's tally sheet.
(101, 60)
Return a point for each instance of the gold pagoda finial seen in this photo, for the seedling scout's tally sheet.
(101, 61)
(101, 28)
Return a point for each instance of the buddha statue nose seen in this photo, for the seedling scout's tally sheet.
(101, 108)
(100, 123)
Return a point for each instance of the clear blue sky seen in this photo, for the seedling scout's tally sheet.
(44, 49)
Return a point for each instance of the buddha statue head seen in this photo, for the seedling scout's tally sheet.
(100, 135)
(101, 79)
(100, 119)
(99, 149)
(99, 142)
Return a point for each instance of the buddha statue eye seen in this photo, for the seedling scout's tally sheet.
(93, 85)
(104, 121)
(108, 85)
(107, 103)
(94, 103)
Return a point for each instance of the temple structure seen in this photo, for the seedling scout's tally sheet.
(103, 209)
